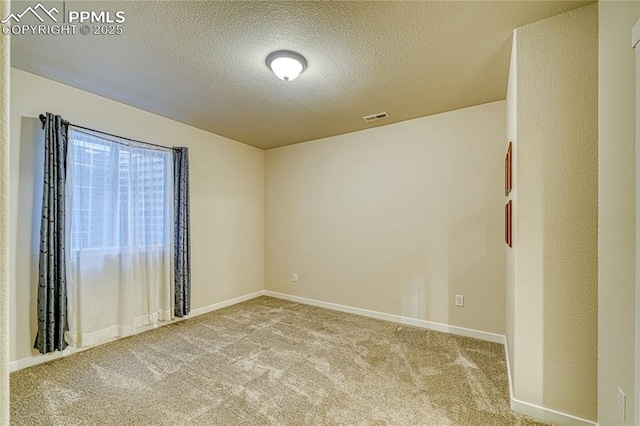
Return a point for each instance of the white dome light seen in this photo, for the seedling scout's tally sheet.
(285, 64)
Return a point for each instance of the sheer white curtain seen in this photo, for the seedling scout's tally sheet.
(119, 251)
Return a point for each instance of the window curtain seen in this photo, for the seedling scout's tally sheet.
(121, 235)
(52, 280)
(182, 238)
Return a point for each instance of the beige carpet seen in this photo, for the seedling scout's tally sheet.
(272, 362)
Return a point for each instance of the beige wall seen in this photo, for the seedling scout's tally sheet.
(555, 287)
(396, 219)
(227, 196)
(617, 197)
(636, 42)
(4, 221)
(512, 136)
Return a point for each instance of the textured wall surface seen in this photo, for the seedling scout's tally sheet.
(397, 219)
(512, 136)
(555, 305)
(4, 222)
(636, 41)
(617, 209)
(227, 195)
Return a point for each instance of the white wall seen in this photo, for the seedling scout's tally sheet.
(396, 219)
(227, 196)
(556, 246)
(616, 211)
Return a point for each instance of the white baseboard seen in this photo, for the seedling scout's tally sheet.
(445, 328)
(537, 411)
(223, 304)
(39, 358)
(547, 414)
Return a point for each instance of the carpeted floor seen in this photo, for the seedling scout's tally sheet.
(272, 362)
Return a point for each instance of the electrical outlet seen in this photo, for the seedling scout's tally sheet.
(459, 300)
(295, 278)
(622, 404)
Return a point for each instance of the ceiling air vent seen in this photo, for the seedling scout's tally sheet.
(374, 117)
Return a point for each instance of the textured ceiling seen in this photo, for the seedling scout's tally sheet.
(202, 63)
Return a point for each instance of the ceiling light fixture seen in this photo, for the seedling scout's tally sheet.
(285, 64)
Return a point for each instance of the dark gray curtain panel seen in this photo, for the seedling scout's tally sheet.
(182, 226)
(52, 281)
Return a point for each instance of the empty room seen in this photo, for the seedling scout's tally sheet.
(319, 213)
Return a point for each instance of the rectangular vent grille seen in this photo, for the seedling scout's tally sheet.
(374, 117)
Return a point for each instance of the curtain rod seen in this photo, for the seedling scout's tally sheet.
(43, 120)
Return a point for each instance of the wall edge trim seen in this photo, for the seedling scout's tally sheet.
(435, 326)
(509, 379)
(548, 414)
(224, 304)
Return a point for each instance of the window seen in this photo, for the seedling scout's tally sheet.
(120, 194)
